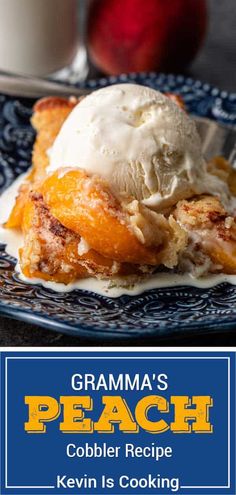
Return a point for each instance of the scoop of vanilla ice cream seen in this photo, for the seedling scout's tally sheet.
(139, 141)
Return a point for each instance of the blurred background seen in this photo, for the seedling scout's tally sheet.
(212, 37)
(216, 62)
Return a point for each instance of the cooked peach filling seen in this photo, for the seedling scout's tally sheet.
(74, 227)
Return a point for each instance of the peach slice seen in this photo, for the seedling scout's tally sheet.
(86, 206)
(16, 216)
(50, 250)
(15, 219)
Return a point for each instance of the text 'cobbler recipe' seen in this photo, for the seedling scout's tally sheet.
(98, 405)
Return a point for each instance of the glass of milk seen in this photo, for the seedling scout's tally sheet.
(40, 37)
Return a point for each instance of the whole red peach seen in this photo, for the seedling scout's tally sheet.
(145, 35)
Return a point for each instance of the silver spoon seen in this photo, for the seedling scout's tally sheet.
(36, 87)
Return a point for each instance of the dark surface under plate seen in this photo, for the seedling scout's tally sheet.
(159, 313)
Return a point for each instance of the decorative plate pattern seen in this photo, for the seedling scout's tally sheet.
(156, 312)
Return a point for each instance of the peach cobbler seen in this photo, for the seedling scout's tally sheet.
(119, 188)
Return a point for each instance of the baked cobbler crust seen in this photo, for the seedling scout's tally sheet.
(58, 211)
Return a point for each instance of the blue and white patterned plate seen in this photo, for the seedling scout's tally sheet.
(157, 312)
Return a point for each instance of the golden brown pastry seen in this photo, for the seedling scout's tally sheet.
(74, 226)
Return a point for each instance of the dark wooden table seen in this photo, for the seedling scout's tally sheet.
(216, 65)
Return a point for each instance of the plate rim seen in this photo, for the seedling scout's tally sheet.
(110, 334)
